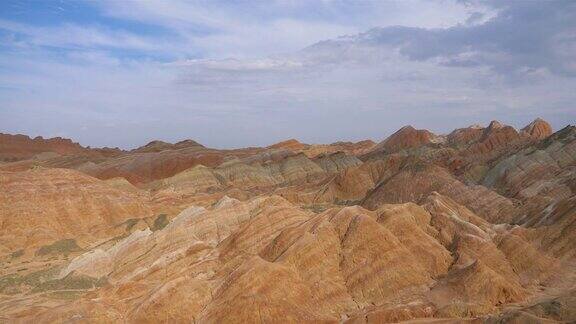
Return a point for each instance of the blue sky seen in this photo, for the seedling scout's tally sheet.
(239, 73)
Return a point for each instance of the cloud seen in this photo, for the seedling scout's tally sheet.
(521, 37)
(237, 65)
(223, 29)
(232, 74)
(75, 36)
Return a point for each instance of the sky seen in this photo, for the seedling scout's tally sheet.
(121, 73)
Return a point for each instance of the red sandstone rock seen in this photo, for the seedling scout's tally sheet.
(538, 129)
(405, 138)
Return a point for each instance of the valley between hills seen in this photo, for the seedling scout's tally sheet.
(476, 226)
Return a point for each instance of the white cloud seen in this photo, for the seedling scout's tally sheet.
(76, 36)
(237, 65)
(221, 29)
(250, 84)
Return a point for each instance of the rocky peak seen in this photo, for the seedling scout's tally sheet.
(495, 125)
(463, 136)
(156, 143)
(406, 137)
(18, 147)
(407, 128)
(154, 146)
(291, 144)
(538, 129)
(157, 146)
(187, 143)
(498, 129)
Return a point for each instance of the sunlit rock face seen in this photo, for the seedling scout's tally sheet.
(19, 147)
(405, 138)
(41, 206)
(538, 129)
(475, 226)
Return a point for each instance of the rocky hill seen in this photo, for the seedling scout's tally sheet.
(474, 226)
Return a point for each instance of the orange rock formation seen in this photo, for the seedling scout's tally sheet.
(476, 226)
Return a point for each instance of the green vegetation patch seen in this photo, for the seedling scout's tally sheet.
(12, 283)
(347, 202)
(65, 294)
(43, 280)
(59, 247)
(418, 166)
(315, 208)
(9, 284)
(17, 254)
(71, 282)
(160, 222)
(130, 223)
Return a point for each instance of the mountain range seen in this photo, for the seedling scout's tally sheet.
(474, 226)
